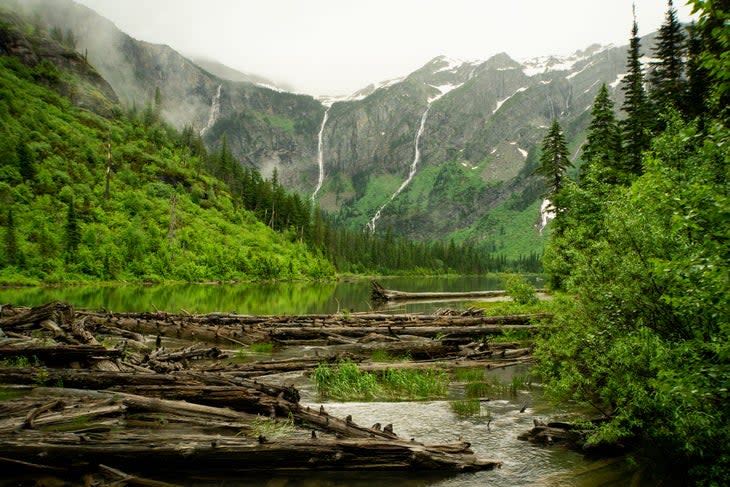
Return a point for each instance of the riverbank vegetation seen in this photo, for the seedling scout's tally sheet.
(641, 242)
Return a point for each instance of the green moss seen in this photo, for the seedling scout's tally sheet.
(8, 394)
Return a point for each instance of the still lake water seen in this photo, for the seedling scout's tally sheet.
(493, 432)
(249, 298)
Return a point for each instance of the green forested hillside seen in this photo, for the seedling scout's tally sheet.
(88, 197)
(91, 190)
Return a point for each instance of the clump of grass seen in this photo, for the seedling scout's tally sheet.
(385, 356)
(249, 354)
(512, 335)
(477, 389)
(271, 428)
(414, 384)
(466, 407)
(345, 381)
(263, 347)
(520, 383)
(468, 375)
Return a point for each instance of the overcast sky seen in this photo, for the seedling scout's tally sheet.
(335, 47)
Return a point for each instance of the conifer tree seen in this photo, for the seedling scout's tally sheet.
(26, 165)
(73, 233)
(667, 72)
(554, 160)
(11, 242)
(697, 77)
(635, 128)
(602, 152)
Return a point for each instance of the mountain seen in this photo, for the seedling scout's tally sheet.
(226, 72)
(89, 191)
(478, 127)
(265, 128)
(483, 123)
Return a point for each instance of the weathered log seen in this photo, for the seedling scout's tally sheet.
(58, 312)
(472, 331)
(180, 456)
(379, 293)
(59, 354)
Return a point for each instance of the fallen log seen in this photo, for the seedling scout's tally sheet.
(59, 354)
(58, 312)
(379, 293)
(182, 456)
(475, 330)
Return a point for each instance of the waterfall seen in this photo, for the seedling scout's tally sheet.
(320, 153)
(215, 110)
(414, 165)
(547, 213)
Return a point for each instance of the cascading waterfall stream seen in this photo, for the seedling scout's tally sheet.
(414, 166)
(320, 153)
(215, 110)
(547, 213)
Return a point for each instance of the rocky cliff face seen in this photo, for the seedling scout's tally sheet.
(86, 88)
(264, 127)
(478, 147)
(478, 125)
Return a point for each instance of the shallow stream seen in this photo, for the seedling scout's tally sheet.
(493, 432)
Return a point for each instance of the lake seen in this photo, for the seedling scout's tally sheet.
(250, 298)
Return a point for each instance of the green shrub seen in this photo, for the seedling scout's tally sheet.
(519, 289)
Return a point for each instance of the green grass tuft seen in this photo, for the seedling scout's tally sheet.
(466, 407)
(468, 375)
(345, 381)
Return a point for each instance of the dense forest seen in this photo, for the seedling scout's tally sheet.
(641, 240)
(107, 193)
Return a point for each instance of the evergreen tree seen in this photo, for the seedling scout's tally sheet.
(11, 242)
(635, 128)
(26, 165)
(73, 233)
(602, 153)
(554, 160)
(667, 72)
(697, 79)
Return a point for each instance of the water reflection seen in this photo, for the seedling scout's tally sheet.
(248, 298)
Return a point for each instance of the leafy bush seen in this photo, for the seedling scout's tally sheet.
(519, 289)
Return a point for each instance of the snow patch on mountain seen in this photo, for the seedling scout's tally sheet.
(618, 80)
(591, 87)
(443, 89)
(546, 64)
(573, 75)
(501, 102)
(451, 64)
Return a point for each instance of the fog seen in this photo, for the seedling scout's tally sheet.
(336, 47)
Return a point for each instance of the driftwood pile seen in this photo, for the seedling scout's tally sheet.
(99, 397)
